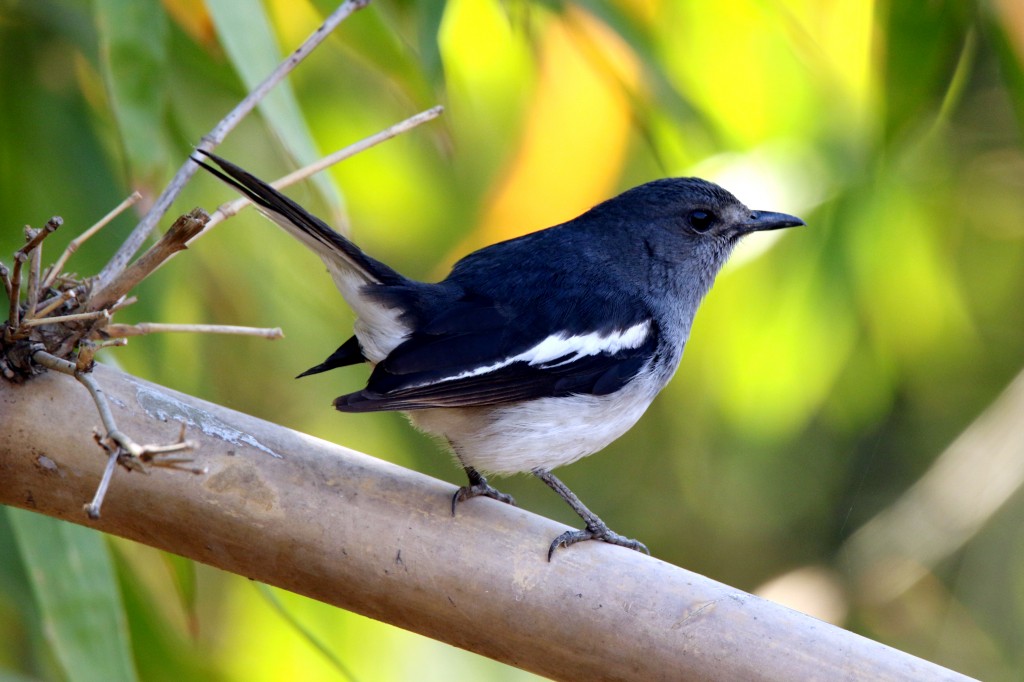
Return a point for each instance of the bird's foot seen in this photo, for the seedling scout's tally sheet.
(479, 487)
(595, 531)
(596, 528)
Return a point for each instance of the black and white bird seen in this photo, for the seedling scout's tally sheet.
(536, 351)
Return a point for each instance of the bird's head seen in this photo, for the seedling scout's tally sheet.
(694, 208)
(678, 231)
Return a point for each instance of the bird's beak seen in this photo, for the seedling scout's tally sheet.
(767, 220)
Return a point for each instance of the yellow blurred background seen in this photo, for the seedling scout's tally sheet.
(804, 449)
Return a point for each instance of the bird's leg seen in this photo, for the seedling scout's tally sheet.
(596, 528)
(478, 486)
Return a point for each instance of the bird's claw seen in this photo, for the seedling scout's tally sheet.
(596, 532)
(483, 489)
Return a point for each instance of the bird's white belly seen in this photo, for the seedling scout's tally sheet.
(539, 434)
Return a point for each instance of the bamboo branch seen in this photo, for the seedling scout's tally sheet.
(371, 537)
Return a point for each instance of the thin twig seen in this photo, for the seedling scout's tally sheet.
(123, 303)
(106, 416)
(34, 239)
(111, 343)
(120, 259)
(123, 330)
(53, 362)
(56, 268)
(49, 305)
(35, 265)
(74, 317)
(37, 238)
(5, 275)
(93, 508)
(14, 312)
(230, 208)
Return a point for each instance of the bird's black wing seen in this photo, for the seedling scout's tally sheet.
(472, 354)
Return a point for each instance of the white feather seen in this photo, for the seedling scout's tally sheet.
(377, 327)
(583, 345)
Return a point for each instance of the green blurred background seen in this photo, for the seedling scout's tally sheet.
(829, 370)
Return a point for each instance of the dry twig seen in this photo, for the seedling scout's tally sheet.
(52, 324)
(33, 241)
(74, 317)
(174, 240)
(124, 330)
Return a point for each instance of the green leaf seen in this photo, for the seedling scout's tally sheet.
(7, 676)
(75, 589)
(183, 572)
(246, 34)
(133, 62)
(169, 652)
(924, 45)
(304, 632)
(1005, 30)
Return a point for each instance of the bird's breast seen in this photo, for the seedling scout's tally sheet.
(539, 434)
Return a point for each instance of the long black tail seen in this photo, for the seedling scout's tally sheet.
(300, 223)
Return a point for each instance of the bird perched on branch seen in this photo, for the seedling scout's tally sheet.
(536, 351)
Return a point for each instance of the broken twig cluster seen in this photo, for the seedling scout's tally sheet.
(57, 321)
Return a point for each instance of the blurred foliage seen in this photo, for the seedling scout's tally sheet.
(826, 371)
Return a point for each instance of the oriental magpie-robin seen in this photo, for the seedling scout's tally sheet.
(536, 351)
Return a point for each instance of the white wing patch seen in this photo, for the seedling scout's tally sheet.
(571, 348)
(558, 345)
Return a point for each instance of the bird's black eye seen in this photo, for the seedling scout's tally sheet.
(701, 221)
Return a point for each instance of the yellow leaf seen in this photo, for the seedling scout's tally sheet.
(575, 139)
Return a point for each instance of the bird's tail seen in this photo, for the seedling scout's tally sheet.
(379, 327)
(343, 258)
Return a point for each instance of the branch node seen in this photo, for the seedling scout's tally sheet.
(121, 448)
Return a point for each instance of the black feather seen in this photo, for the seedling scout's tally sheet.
(348, 353)
(599, 374)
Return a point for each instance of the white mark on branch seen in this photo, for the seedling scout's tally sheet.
(696, 613)
(162, 406)
(48, 465)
